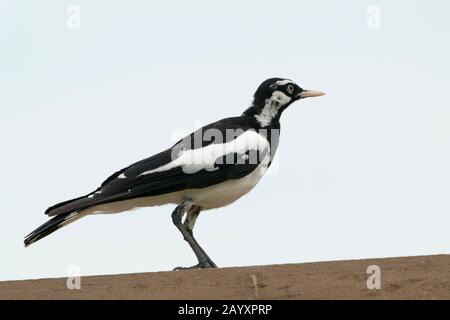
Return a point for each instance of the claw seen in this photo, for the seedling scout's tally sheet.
(205, 265)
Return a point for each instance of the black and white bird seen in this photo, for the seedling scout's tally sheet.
(211, 168)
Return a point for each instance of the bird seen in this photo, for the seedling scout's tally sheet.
(211, 168)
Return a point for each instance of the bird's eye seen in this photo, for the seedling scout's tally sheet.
(290, 88)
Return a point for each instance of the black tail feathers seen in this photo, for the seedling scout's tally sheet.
(61, 204)
(50, 226)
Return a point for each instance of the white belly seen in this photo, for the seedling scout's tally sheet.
(226, 192)
(215, 196)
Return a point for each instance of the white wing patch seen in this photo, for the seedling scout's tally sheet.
(192, 161)
(94, 194)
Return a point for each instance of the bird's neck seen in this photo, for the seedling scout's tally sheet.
(266, 124)
(266, 116)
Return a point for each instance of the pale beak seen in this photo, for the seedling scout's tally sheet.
(310, 93)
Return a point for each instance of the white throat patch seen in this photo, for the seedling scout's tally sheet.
(271, 107)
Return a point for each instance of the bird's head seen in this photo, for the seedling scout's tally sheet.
(273, 96)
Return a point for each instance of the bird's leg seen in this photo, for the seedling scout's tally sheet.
(189, 224)
(191, 218)
(186, 230)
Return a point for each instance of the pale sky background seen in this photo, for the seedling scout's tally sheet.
(363, 171)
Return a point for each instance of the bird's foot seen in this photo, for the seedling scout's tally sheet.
(200, 265)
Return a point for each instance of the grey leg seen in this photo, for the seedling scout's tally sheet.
(186, 230)
(191, 218)
(189, 224)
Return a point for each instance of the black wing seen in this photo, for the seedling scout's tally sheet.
(131, 182)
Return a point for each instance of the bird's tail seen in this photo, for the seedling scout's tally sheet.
(51, 226)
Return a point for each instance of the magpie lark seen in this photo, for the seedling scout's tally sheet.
(211, 168)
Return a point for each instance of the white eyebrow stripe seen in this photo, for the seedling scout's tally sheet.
(192, 161)
(283, 82)
(122, 176)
